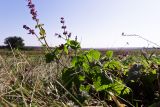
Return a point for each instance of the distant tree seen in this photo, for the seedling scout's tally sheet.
(14, 42)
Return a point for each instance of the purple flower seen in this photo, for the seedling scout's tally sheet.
(32, 10)
(56, 34)
(31, 32)
(26, 27)
(64, 27)
(62, 18)
(31, 5)
(65, 32)
(62, 21)
(59, 36)
(69, 35)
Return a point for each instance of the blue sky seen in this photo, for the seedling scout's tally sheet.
(97, 23)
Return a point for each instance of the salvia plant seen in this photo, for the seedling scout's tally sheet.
(89, 75)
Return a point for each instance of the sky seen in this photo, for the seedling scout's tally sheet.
(96, 23)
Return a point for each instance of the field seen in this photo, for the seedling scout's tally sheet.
(117, 78)
(26, 78)
(60, 73)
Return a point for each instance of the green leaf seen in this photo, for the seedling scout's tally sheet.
(82, 87)
(42, 31)
(93, 55)
(97, 83)
(39, 25)
(120, 88)
(85, 88)
(81, 77)
(85, 66)
(68, 42)
(109, 54)
(103, 87)
(154, 71)
(49, 57)
(65, 49)
(74, 44)
(114, 65)
(67, 77)
(74, 61)
(70, 78)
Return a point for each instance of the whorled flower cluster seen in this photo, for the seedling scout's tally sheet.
(33, 12)
(68, 35)
(31, 31)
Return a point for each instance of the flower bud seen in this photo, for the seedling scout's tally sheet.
(62, 21)
(56, 34)
(64, 27)
(62, 18)
(69, 35)
(65, 32)
(59, 36)
(31, 32)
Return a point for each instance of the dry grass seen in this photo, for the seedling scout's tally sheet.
(29, 81)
